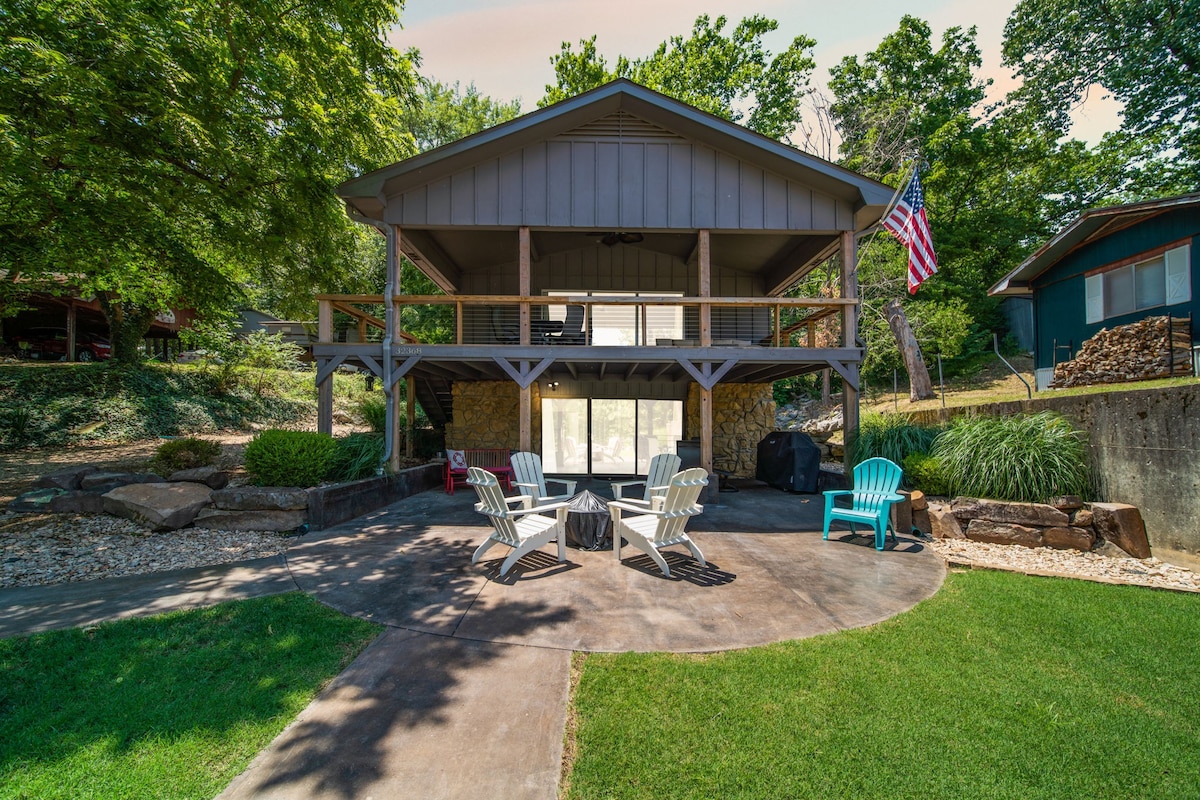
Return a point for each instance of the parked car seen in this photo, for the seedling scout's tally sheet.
(50, 344)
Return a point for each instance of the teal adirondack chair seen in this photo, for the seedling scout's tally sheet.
(875, 484)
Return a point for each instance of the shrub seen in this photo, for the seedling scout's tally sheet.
(1026, 458)
(373, 410)
(357, 456)
(289, 458)
(889, 436)
(186, 453)
(925, 472)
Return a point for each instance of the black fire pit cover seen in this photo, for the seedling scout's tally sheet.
(589, 527)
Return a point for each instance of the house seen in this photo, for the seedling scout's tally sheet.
(1111, 266)
(614, 270)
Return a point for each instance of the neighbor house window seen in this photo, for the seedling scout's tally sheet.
(1162, 280)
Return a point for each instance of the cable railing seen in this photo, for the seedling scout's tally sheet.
(594, 320)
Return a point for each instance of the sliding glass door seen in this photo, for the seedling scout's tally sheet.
(607, 436)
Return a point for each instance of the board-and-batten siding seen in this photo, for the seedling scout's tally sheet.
(653, 183)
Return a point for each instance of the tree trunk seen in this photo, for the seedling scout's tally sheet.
(920, 386)
(127, 326)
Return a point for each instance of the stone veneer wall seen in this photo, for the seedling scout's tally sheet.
(743, 414)
(488, 414)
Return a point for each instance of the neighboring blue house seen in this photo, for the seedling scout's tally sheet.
(1110, 267)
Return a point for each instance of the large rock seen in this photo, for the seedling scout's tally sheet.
(160, 506)
(985, 530)
(1122, 525)
(1029, 514)
(66, 479)
(942, 522)
(1069, 538)
(77, 502)
(211, 477)
(104, 482)
(36, 501)
(920, 520)
(277, 520)
(261, 498)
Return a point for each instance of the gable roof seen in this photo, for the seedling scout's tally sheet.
(367, 194)
(1088, 227)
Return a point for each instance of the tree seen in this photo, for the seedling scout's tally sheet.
(720, 74)
(172, 154)
(1145, 52)
(444, 114)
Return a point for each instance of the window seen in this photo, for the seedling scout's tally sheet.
(626, 325)
(1160, 281)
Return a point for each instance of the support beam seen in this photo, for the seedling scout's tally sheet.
(325, 385)
(523, 275)
(704, 257)
(526, 444)
(421, 249)
(849, 339)
(410, 387)
(72, 331)
(706, 434)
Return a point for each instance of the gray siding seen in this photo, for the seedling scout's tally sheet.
(605, 178)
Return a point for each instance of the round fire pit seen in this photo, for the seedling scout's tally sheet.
(589, 527)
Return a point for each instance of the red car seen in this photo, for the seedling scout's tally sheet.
(50, 344)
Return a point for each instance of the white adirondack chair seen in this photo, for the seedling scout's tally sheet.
(528, 469)
(523, 529)
(662, 467)
(655, 528)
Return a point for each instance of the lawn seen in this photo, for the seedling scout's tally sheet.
(172, 706)
(1000, 686)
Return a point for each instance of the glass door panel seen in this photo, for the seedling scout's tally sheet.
(660, 424)
(614, 434)
(564, 435)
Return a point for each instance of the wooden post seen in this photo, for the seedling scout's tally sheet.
(458, 322)
(526, 409)
(703, 249)
(706, 432)
(778, 323)
(410, 397)
(410, 387)
(325, 387)
(71, 330)
(849, 287)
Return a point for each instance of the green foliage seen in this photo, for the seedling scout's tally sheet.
(924, 472)
(172, 153)
(372, 408)
(445, 114)
(889, 436)
(1026, 458)
(290, 458)
(252, 361)
(186, 453)
(1072, 665)
(171, 706)
(357, 456)
(78, 403)
(720, 74)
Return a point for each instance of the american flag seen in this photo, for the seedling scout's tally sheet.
(908, 223)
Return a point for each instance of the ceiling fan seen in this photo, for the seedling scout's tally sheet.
(610, 238)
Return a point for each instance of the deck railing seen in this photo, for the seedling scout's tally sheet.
(620, 320)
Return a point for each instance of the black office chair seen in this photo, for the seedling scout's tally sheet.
(572, 330)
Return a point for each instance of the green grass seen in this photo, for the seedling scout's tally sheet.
(1001, 686)
(172, 706)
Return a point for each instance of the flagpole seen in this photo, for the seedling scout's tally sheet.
(874, 229)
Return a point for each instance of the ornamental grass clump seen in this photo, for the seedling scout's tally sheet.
(290, 458)
(188, 452)
(1025, 458)
(357, 456)
(889, 436)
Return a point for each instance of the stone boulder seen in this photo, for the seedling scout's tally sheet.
(270, 520)
(985, 530)
(104, 482)
(77, 502)
(942, 522)
(211, 477)
(1023, 514)
(260, 498)
(66, 479)
(36, 501)
(1070, 538)
(159, 506)
(1122, 525)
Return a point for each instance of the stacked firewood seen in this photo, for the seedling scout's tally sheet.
(1156, 347)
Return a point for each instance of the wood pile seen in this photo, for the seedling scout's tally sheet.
(1155, 347)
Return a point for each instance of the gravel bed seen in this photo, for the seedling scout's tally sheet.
(1068, 564)
(40, 549)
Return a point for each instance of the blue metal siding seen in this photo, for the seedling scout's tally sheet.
(1059, 303)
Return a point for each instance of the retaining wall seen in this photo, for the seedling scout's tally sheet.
(1145, 448)
(329, 505)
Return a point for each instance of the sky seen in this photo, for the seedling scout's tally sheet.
(504, 46)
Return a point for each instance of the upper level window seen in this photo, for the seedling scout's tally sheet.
(1163, 280)
(636, 324)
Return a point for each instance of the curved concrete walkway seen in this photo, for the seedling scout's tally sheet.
(465, 695)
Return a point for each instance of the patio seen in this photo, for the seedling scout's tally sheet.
(770, 577)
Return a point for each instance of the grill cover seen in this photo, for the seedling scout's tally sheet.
(789, 460)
